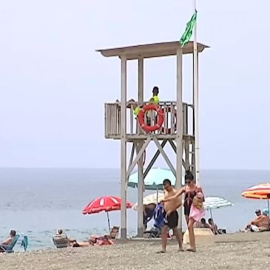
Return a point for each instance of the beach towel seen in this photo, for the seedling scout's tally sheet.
(24, 243)
(254, 228)
(158, 216)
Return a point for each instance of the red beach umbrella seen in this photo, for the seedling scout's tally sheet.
(106, 204)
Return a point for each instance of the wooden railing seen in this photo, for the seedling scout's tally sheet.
(113, 119)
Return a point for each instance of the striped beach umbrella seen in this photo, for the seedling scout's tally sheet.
(153, 198)
(211, 203)
(261, 191)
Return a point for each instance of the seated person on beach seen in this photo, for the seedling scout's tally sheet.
(148, 213)
(213, 226)
(60, 239)
(114, 232)
(258, 214)
(9, 240)
(158, 222)
(202, 224)
(261, 223)
(60, 233)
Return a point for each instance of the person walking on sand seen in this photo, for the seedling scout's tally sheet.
(190, 191)
(170, 215)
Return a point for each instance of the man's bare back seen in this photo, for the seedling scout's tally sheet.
(172, 205)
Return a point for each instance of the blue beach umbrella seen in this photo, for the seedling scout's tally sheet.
(154, 179)
(215, 203)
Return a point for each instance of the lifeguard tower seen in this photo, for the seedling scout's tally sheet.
(173, 121)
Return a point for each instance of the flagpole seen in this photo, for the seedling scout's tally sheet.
(196, 99)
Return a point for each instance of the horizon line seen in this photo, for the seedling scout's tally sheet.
(108, 168)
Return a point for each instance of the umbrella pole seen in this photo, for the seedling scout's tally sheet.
(211, 213)
(268, 206)
(108, 218)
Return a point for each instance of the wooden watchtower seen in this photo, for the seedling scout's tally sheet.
(120, 123)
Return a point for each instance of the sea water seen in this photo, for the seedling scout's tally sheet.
(37, 202)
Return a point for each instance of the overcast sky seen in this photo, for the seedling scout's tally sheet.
(54, 85)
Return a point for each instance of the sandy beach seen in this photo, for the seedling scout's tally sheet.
(232, 251)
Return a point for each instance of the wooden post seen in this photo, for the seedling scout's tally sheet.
(193, 154)
(196, 113)
(179, 128)
(196, 98)
(123, 147)
(140, 228)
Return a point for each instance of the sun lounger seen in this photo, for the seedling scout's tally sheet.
(153, 233)
(9, 248)
(61, 241)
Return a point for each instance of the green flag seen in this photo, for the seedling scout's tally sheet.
(189, 28)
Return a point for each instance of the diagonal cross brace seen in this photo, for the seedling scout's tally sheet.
(152, 162)
(164, 155)
(135, 161)
(174, 149)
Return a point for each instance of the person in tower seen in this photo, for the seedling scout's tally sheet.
(136, 106)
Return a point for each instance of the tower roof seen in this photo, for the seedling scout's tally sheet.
(151, 50)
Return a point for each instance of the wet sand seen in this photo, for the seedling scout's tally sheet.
(233, 251)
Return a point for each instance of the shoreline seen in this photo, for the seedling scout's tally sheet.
(230, 251)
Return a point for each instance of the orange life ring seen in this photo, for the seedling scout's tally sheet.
(160, 117)
(169, 130)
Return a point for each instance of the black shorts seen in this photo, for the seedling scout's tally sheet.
(187, 210)
(172, 220)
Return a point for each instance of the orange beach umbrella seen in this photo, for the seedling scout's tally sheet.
(261, 191)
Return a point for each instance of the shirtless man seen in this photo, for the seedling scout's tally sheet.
(170, 216)
(258, 213)
(261, 223)
(8, 241)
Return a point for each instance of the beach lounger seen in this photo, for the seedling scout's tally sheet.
(61, 241)
(153, 233)
(9, 248)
